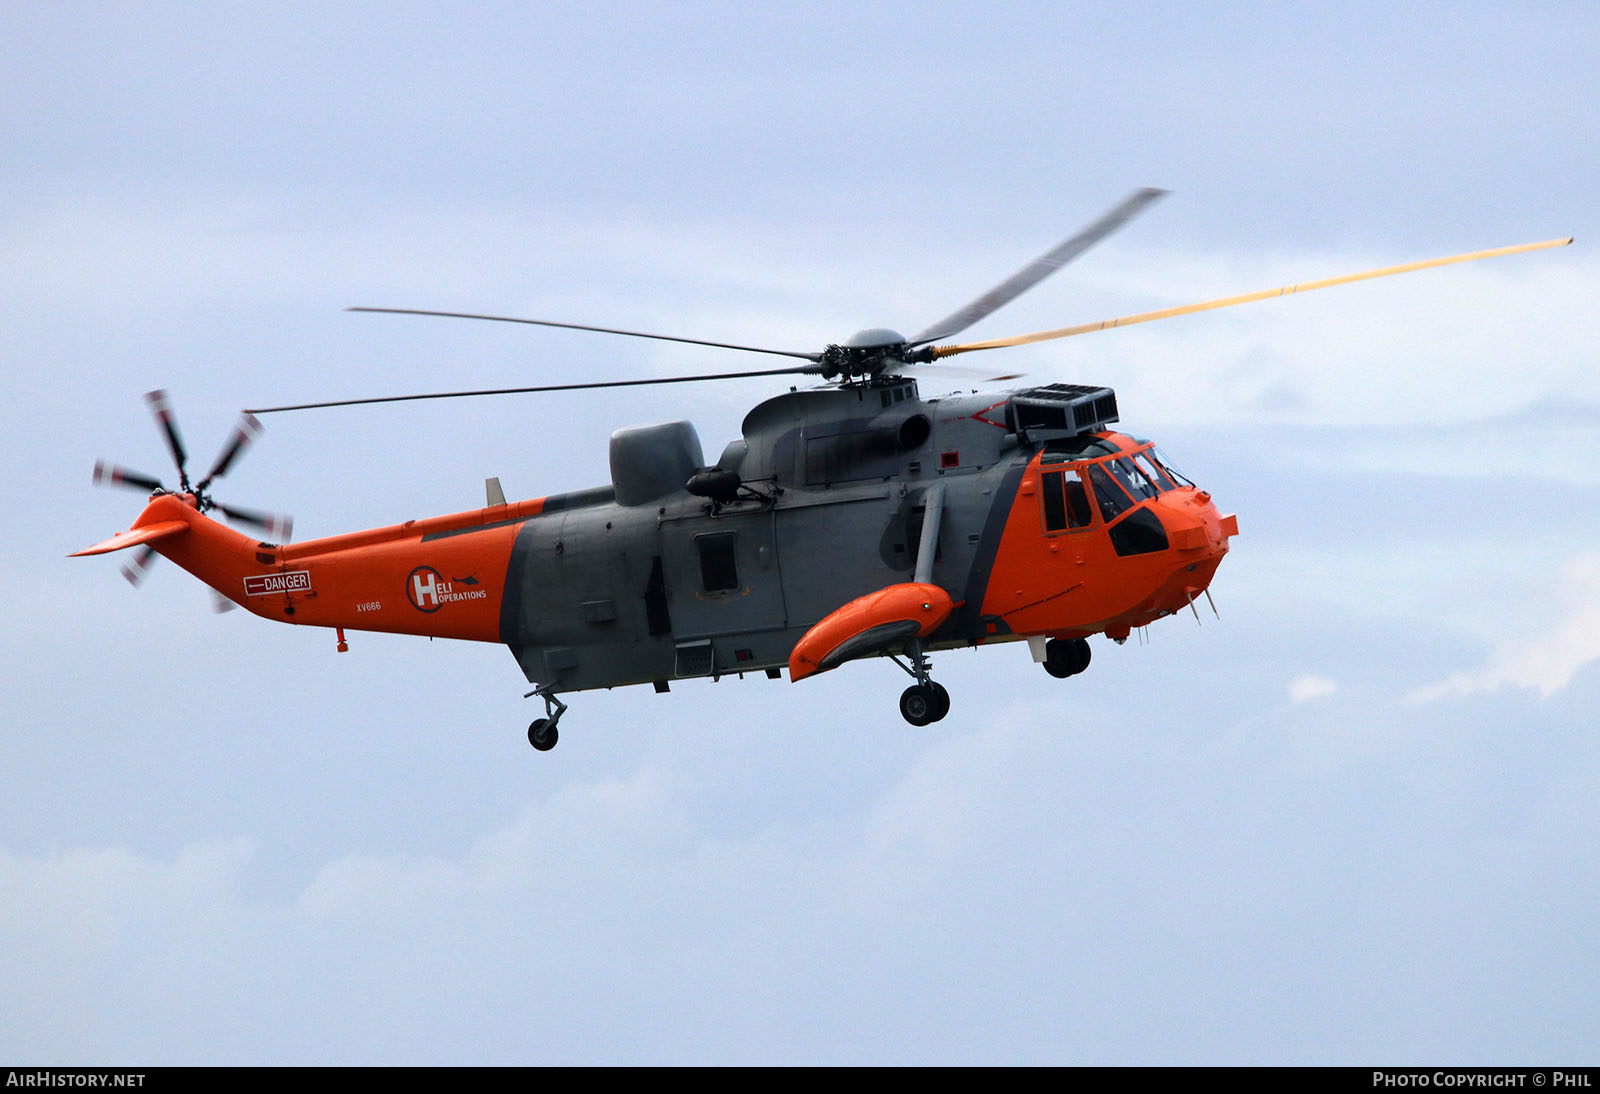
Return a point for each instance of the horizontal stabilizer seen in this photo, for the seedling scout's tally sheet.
(132, 538)
(872, 624)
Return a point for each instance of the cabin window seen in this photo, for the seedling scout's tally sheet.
(719, 570)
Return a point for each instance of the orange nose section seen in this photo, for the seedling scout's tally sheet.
(1194, 525)
(1199, 536)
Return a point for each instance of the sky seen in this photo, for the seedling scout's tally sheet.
(1350, 821)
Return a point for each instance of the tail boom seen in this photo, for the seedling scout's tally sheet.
(442, 577)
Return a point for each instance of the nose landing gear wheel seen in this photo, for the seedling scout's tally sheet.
(542, 735)
(923, 704)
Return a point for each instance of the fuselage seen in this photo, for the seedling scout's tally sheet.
(643, 582)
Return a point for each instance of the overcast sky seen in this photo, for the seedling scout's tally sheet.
(1351, 821)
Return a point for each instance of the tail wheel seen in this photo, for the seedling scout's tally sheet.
(542, 735)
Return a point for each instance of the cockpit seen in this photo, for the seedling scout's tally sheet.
(1105, 479)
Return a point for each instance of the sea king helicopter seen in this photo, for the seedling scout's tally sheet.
(851, 520)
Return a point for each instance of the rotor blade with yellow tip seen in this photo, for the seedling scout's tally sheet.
(1229, 301)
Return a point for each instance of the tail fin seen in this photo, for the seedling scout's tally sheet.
(134, 536)
(212, 552)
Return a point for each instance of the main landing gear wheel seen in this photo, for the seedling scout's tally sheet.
(923, 704)
(543, 735)
(1066, 657)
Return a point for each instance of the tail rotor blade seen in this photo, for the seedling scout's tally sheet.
(135, 569)
(279, 527)
(248, 429)
(220, 603)
(162, 409)
(109, 474)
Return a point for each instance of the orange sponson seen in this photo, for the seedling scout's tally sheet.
(870, 624)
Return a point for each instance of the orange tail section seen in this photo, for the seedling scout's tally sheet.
(443, 577)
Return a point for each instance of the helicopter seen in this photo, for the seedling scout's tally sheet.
(851, 520)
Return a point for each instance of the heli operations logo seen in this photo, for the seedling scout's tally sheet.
(428, 590)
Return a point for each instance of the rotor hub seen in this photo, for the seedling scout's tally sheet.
(867, 354)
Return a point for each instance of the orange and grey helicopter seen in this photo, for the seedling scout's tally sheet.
(856, 519)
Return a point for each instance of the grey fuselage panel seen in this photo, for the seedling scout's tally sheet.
(602, 594)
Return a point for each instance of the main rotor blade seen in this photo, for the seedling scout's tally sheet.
(1041, 267)
(1228, 301)
(169, 426)
(548, 387)
(246, 431)
(112, 475)
(580, 326)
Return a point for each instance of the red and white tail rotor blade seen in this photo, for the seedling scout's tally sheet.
(278, 526)
(139, 565)
(110, 474)
(248, 429)
(161, 408)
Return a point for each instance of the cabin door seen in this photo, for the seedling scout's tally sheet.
(722, 575)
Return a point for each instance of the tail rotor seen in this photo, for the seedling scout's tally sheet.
(278, 528)
(135, 568)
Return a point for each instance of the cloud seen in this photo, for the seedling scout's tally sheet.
(1546, 663)
(1306, 687)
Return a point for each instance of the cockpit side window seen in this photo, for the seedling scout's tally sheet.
(1066, 502)
(1055, 507)
(1166, 465)
(1133, 480)
(1154, 472)
(1113, 502)
(1078, 512)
